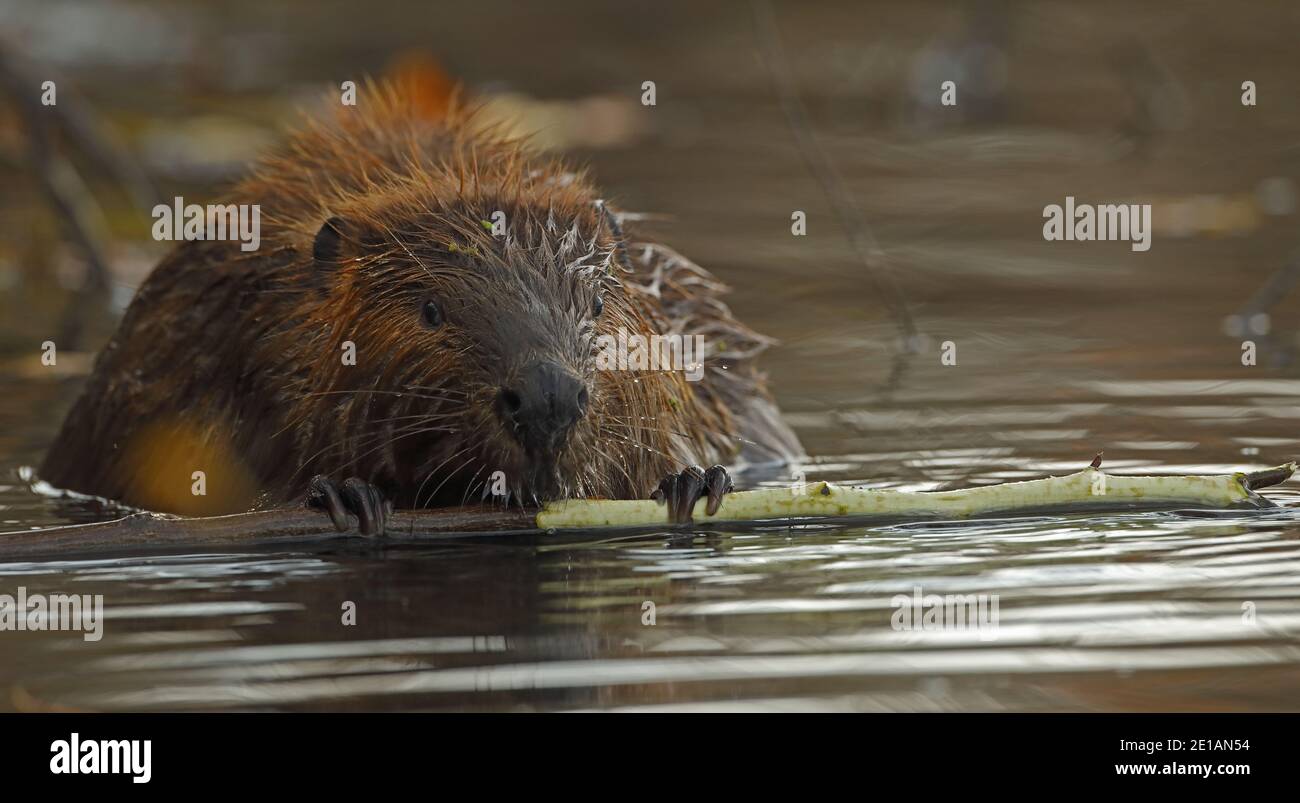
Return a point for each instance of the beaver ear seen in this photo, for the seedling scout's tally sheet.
(327, 249)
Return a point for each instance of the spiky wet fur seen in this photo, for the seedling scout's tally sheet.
(245, 347)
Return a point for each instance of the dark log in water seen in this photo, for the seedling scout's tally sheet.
(287, 525)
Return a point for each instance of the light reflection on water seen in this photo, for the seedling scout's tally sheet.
(772, 617)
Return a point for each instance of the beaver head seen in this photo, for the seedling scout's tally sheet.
(474, 326)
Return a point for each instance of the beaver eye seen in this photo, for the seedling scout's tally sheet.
(597, 306)
(432, 314)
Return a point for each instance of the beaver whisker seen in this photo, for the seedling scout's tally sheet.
(639, 445)
(661, 430)
(437, 388)
(636, 437)
(362, 437)
(469, 485)
(434, 494)
(632, 428)
(368, 391)
(366, 438)
(420, 416)
(616, 464)
(454, 455)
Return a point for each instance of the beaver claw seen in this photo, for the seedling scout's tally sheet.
(681, 491)
(355, 496)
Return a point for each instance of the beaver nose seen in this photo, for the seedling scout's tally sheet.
(543, 404)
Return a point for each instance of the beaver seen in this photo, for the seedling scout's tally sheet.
(472, 278)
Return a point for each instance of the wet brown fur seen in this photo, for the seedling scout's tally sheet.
(241, 351)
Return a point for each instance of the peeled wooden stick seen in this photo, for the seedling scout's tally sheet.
(1087, 490)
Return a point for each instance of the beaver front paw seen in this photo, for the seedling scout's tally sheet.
(681, 491)
(355, 496)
